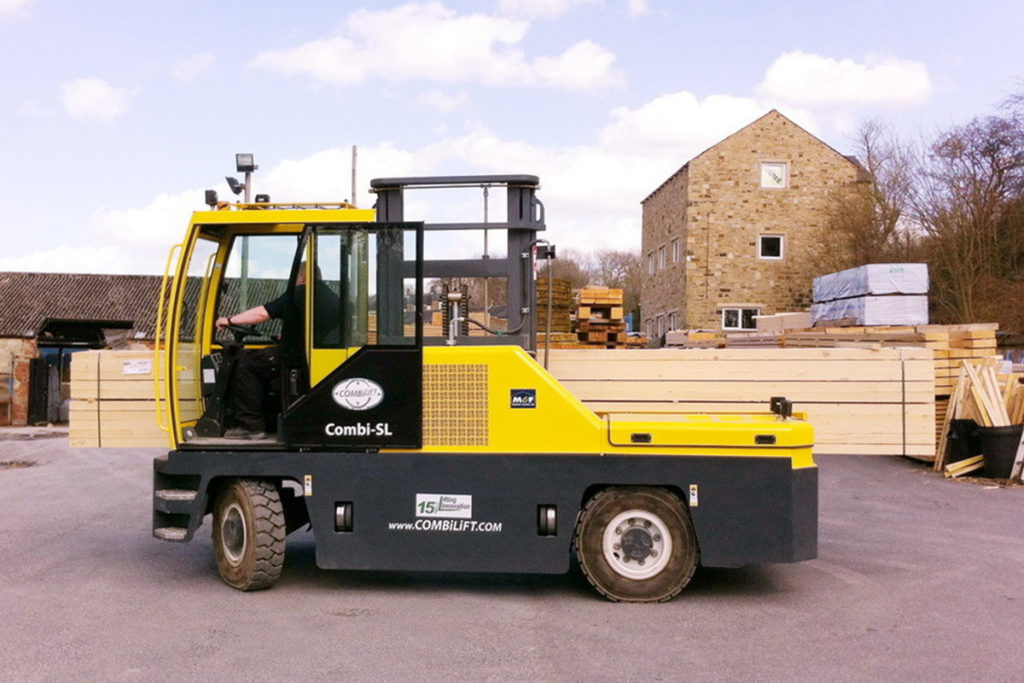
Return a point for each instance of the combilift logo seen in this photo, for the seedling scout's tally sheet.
(357, 393)
(524, 398)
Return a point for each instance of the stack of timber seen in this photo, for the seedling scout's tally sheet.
(873, 294)
(559, 340)
(952, 345)
(982, 395)
(694, 339)
(561, 305)
(599, 319)
(860, 401)
(113, 400)
(637, 341)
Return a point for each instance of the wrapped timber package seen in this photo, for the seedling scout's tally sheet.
(783, 321)
(874, 279)
(875, 310)
(113, 401)
(859, 401)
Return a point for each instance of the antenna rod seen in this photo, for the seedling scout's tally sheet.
(353, 195)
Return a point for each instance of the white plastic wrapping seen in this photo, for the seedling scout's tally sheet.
(875, 310)
(873, 279)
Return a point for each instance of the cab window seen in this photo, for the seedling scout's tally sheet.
(256, 272)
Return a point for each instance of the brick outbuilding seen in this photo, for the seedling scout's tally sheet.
(46, 317)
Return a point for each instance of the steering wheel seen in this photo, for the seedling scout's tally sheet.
(240, 332)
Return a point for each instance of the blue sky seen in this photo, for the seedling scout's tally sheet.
(116, 115)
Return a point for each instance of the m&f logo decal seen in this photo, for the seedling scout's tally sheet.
(524, 398)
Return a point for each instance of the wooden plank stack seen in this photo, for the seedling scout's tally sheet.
(860, 401)
(599, 317)
(982, 395)
(952, 344)
(559, 340)
(113, 400)
(561, 305)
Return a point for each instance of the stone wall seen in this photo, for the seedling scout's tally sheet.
(663, 292)
(722, 213)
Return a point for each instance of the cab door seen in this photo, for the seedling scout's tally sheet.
(364, 327)
(223, 270)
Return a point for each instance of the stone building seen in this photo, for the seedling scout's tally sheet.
(731, 234)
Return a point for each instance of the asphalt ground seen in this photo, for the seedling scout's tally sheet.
(918, 578)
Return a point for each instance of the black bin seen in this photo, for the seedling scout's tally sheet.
(961, 441)
(999, 446)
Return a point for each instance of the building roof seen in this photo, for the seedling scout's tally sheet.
(30, 301)
(861, 171)
(52, 305)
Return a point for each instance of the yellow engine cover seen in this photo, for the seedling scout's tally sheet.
(498, 399)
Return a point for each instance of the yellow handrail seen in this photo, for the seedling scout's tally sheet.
(157, 366)
(200, 324)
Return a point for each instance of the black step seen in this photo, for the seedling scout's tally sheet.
(174, 501)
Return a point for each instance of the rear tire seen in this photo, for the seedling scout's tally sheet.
(248, 534)
(636, 544)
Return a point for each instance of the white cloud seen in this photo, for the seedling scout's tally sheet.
(192, 67)
(73, 259)
(584, 66)
(443, 102)
(94, 99)
(637, 7)
(592, 193)
(327, 175)
(810, 80)
(540, 9)
(158, 225)
(12, 8)
(677, 124)
(553, 9)
(427, 41)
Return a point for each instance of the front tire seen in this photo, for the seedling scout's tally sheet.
(248, 534)
(636, 544)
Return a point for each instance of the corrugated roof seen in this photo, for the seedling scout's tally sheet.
(29, 299)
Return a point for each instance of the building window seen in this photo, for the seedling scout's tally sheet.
(675, 250)
(673, 320)
(740, 318)
(770, 247)
(662, 262)
(650, 263)
(649, 328)
(774, 175)
(661, 325)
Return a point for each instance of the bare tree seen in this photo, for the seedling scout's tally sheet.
(571, 265)
(866, 222)
(967, 199)
(621, 270)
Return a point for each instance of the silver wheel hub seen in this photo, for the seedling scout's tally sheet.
(636, 544)
(232, 534)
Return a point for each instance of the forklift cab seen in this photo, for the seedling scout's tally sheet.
(354, 340)
(360, 313)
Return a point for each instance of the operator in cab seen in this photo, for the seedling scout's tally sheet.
(257, 368)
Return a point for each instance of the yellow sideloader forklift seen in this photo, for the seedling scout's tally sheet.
(451, 453)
